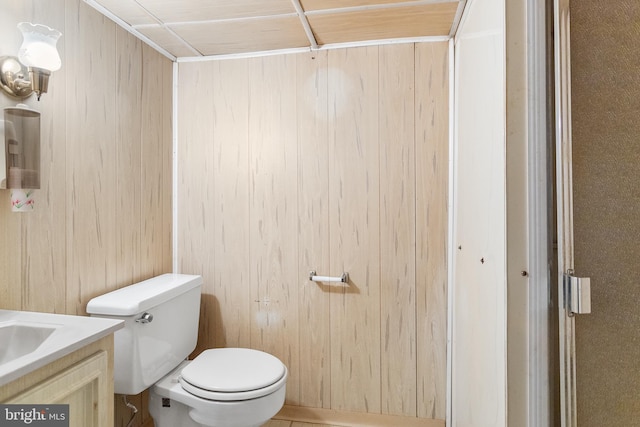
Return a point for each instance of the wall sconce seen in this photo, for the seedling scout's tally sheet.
(37, 57)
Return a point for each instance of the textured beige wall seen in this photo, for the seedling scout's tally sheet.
(334, 161)
(605, 59)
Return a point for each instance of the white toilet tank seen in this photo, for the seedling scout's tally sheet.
(161, 327)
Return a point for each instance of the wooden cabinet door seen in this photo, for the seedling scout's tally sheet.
(84, 386)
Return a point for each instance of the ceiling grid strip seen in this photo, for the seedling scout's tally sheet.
(305, 24)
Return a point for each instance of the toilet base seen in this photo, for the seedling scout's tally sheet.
(177, 415)
(187, 410)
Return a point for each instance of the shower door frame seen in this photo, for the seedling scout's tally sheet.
(564, 188)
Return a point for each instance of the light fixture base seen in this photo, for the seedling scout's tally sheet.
(39, 78)
(14, 78)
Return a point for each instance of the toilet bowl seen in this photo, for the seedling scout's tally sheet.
(232, 387)
(226, 387)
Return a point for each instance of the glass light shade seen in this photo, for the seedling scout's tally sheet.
(38, 48)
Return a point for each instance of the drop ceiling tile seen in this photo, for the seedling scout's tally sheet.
(127, 10)
(251, 35)
(171, 11)
(379, 24)
(310, 5)
(166, 40)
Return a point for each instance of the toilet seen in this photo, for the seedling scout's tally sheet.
(230, 387)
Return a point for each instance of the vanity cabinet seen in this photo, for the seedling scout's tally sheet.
(82, 379)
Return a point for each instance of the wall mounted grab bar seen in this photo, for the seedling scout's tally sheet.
(314, 278)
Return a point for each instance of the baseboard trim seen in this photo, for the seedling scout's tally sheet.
(351, 419)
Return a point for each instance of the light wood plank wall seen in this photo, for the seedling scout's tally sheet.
(330, 161)
(103, 213)
(102, 218)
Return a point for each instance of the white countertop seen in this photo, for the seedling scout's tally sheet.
(70, 334)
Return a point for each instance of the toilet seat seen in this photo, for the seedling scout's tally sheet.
(232, 374)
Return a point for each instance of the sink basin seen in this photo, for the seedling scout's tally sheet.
(20, 338)
(30, 340)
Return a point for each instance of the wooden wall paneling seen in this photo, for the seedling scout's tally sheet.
(128, 156)
(273, 217)
(313, 228)
(10, 255)
(43, 230)
(153, 142)
(196, 186)
(313, 168)
(230, 293)
(72, 236)
(397, 229)
(194, 133)
(432, 171)
(11, 288)
(151, 174)
(122, 413)
(167, 158)
(91, 155)
(145, 417)
(11, 234)
(354, 224)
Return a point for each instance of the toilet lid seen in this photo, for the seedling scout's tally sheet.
(232, 371)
